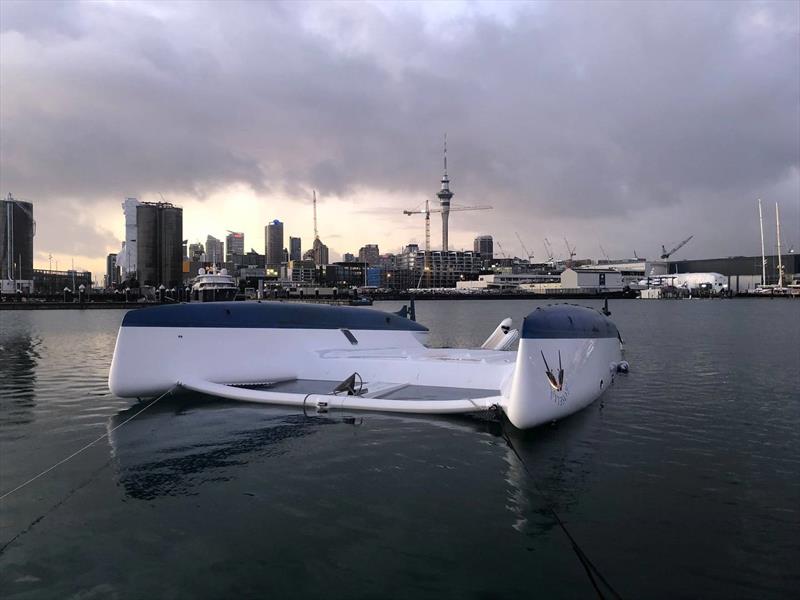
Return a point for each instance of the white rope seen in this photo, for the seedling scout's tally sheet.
(89, 445)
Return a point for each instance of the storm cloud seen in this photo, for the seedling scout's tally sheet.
(621, 124)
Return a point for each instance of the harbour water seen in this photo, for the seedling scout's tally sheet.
(683, 482)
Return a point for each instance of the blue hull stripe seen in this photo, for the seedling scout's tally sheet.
(268, 315)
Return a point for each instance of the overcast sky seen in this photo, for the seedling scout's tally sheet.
(627, 125)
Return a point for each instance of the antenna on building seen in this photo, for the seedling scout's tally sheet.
(445, 154)
(316, 233)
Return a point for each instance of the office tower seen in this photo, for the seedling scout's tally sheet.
(320, 253)
(215, 250)
(295, 250)
(159, 241)
(273, 242)
(17, 229)
(234, 244)
(112, 271)
(369, 254)
(348, 257)
(484, 245)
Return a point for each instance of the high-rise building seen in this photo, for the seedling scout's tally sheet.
(127, 256)
(17, 229)
(348, 257)
(273, 242)
(215, 250)
(234, 244)
(295, 249)
(159, 244)
(369, 254)
(320, 253)
(112, 271)
(484, 245)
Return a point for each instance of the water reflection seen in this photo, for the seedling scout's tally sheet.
(187, 441)
(182, 442)
(554, 473)
(19, 358)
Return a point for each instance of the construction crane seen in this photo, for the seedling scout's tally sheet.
(665, 255)
(570, 251)
(603, 250)
(500, 247)
(316, 233)
(427, 212)
(548, 248)
(529, 255)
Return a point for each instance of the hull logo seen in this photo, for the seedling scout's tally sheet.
(555, 377)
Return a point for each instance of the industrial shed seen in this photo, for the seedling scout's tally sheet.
(600, 279)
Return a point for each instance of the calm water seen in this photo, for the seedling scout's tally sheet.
(683, 483)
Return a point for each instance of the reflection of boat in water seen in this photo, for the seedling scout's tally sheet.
(211, 285)
(323, 357)
(184, 441)
(177, 444)
(232, 467)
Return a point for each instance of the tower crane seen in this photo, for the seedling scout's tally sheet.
(427, 212)
(316, 233)
(570, 251)
(665, 255)
(500, 247)
(548, 248)
(529, 255)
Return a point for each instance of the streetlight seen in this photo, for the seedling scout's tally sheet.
(127, 291)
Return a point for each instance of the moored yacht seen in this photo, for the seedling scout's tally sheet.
(211, 285)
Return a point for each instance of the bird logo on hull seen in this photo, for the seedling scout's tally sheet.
(554, 377)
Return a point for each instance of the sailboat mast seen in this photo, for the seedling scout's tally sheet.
(763, 258)
(780, 260)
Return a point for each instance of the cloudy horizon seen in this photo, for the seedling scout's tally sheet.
(622, 125)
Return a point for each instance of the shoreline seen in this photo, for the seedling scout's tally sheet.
(399, 297)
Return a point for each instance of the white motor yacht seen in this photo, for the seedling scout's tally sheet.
(211, 285)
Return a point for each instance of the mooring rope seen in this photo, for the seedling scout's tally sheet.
(86, 447)
(591, 570)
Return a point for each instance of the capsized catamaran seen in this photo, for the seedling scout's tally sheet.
(323, 358)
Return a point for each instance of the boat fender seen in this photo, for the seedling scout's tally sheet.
(622, 366)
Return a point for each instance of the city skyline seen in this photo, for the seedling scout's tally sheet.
(601, 134)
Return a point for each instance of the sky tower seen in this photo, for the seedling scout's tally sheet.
(444, 196)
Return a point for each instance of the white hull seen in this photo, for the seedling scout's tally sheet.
(399, 373)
